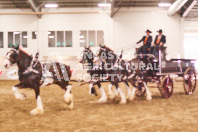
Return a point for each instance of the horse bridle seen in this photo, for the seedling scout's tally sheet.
(10, 52)
(104, 49)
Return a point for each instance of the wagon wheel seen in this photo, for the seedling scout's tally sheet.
(166, 88)
(189, 81)
(141, 90)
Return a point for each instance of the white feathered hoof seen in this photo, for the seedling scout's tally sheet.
(102, 100)
(69, 102)
(37, 111)
(123, 101)
(131, 97)
(149, 98)
(20, 96)
(112, 96)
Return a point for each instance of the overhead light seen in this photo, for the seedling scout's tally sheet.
(16, 32)
(81, 36)
(51, 36)
(49, 32)
(51, 5)
(25, 36)
(164, 4)
(104, 5)
(82, 41)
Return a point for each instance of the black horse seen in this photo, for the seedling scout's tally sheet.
(126, 70)
(32, 77)
(97, 72)
(97, 67)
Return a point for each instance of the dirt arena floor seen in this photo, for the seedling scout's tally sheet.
(178, 113)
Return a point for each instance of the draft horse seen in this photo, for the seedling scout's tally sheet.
(127, 71)
(33, 77)
(96, 67)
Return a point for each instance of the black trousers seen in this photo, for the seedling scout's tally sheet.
(143, 49)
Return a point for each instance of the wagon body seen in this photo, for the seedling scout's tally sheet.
(166, 71)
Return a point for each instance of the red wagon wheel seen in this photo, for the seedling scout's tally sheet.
(141, 90)
(189, 81)
(166, 88)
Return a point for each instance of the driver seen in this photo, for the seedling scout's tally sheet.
(146, 43)
(160, 40)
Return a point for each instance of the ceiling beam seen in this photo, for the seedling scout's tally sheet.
(34, 7)
(40, 13)
(115, 6)
(189, 8)
(112, 7)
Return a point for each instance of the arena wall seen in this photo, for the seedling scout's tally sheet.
(124, 29)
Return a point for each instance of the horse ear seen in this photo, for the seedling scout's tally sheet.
(89, 47)
(16, 47)
(85, 46)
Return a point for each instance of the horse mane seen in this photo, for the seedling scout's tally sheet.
(109, 49)
(23, 51)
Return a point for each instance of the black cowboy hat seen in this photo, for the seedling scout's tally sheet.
(160, 31)
(148, 31)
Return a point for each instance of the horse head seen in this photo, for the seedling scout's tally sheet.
(105, 53)
(87, 55)
(11, 57)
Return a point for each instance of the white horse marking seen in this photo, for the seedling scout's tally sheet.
(103, 98)
(149, 95)
(123, 100)
(110, 92)
(6, 62)
(17, 94)
(129, 91)
(68, 97)
(39, 102)
(132, 96)
(39, 108)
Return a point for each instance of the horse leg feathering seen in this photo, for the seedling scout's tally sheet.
(17, 94)
(110, 92)
(149, 95)
(128, 90)
(39, 109)
(68, 97)
(103, 98)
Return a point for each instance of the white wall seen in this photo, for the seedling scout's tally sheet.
(127, 27)
(130, 26)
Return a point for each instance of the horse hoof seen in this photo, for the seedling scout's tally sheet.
(148, 98)
(70, 106)
(68, 99)
(102, 100)
(123, 101)
(69, 102)
(131, 97)
(21, 96)
(112, 97)
(37, 111)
